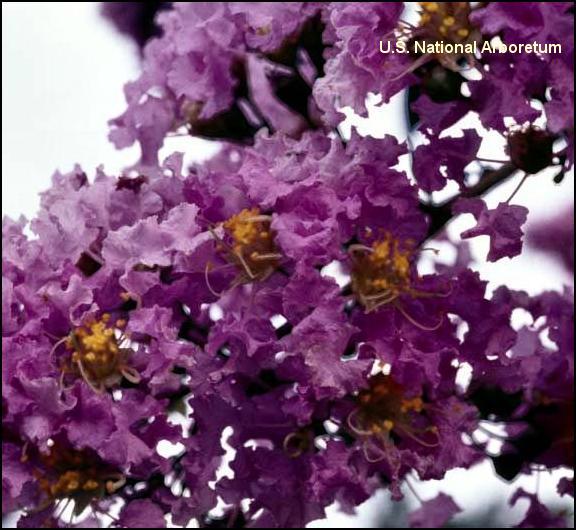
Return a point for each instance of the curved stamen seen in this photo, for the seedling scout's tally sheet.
(406, 23)
(412, 320)
(384, 294)
(430, 249)
(98, 355)
(368, 456)
(61, 381)
(66, 503)
(115, 483)
(383, 409)
(266, 257)
(98, 389)
(517, 189)
(370, 308)
(249, 245)
(413, 490)
(353, 426)
(55, 347)
(131, 374)
(207, 280)
(248, 270)
(103, 512)
(299, 446)
(258, 219)
(428, 294)
(402, 430)
(357, 247)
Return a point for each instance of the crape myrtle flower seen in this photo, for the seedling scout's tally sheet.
(536, 403)
(301, 373)
(538, 515)
(200, 306)
(542, 23)
(434, 513)
(508, 83)
(77, 363)
(354, 55)
(502, 224)
(445, 159)
(508, 92)
(513, 80)
(115, 320)
(550, 391)
(221, 70)
(227, 84)
(352, 35)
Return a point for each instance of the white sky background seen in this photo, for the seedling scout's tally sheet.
(63, 70)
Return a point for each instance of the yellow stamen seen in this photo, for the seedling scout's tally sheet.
(446, 21)
(388, 425)
(382, 408)
(432, 7)
(381, 272)
(90, 357)
(68, 473)
(90, 485)
(97, 355)
(252, 248)
(414, 404)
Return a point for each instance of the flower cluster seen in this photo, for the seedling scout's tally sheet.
(266, 314)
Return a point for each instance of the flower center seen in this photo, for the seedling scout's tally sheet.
(69, 473)
(381, 273)
(384, 409)
(251, 247)
(98, 355)
(448, 21)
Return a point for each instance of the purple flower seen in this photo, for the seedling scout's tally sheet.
(267, 313)
(434, 513)
(503, 225)
(537, 516)
(445, 159)
(204, 73)
(354, 30)
(142, 514)
(566, 487)
(524, 20)
(531, 388)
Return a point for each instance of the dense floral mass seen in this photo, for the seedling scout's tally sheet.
(265, 314)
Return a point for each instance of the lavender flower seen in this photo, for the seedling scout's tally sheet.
(196, 305)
